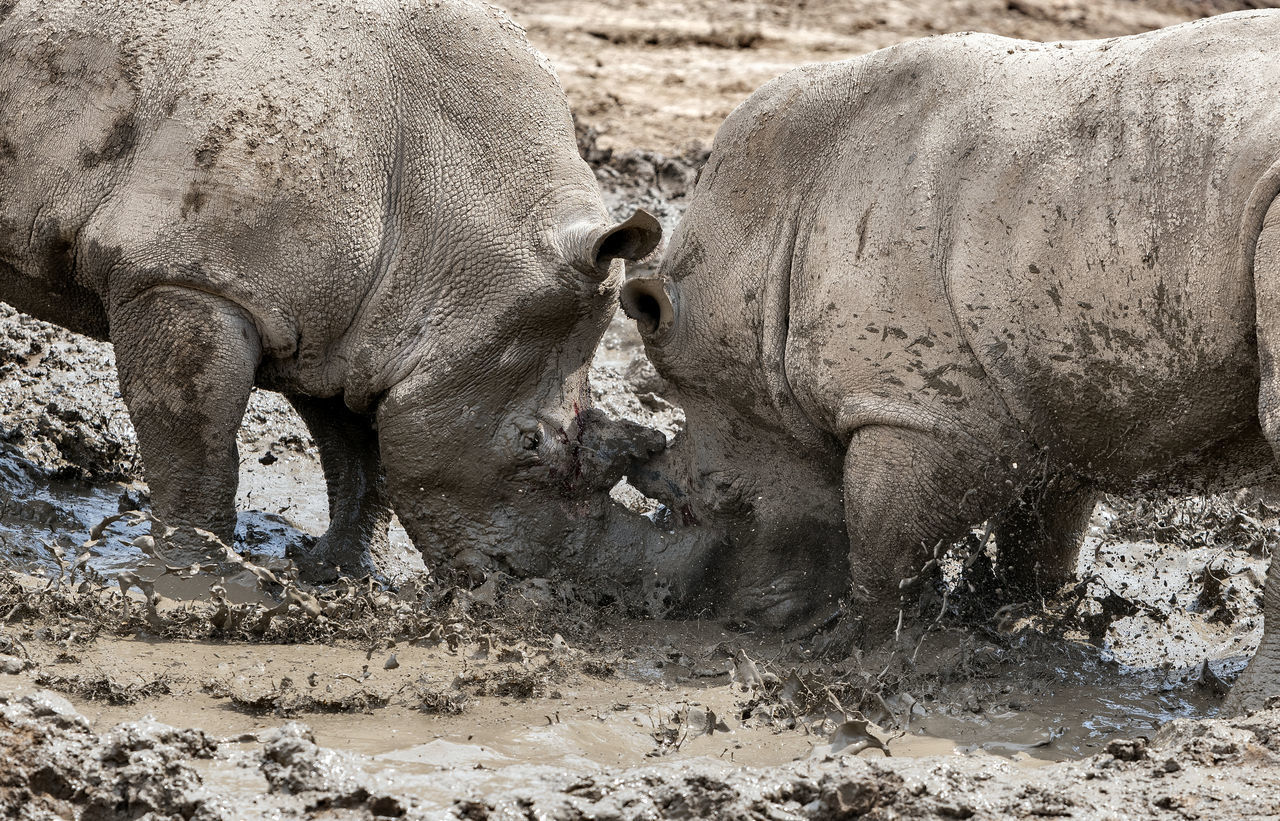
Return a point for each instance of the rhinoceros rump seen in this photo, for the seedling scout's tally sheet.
(376, 209)
(973, 277)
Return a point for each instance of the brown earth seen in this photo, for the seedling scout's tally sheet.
(663, 74)
(541, 698)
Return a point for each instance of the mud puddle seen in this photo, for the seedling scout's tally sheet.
(621, 694)
(491, 718)
(584, 728)
(40, 514)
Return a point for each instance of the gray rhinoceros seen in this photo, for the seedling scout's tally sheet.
(374, 208)
(972, 277)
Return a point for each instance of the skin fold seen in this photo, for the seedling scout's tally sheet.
(971, 278)
(374, 208)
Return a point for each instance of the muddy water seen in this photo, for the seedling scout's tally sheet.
(583, 725)
(496, 747)
(37, 513)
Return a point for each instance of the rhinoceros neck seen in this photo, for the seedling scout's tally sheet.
(775, 324)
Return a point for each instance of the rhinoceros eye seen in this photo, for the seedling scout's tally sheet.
(531, 440)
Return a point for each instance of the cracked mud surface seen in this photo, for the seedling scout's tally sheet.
(538, 698)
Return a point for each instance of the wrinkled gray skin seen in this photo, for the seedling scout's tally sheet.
(375, 208)
(972, 278)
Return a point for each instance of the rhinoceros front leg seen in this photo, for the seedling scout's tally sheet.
(186, 362)
(1261, 679)
(905, 491)
(1038, 538)
(359, 511)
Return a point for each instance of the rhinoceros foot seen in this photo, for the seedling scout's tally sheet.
(324, 561)
(1250, 695)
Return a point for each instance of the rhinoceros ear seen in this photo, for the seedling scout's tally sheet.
(646, 301)
(633, 239)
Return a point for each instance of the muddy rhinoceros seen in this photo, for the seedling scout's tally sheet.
(374, 208)
(971, 278)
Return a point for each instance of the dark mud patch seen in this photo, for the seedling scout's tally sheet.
(102, 687)
(283, 698)
(77, 610)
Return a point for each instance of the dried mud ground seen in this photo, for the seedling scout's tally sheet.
(124, 694)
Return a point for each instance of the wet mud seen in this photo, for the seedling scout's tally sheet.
(129, 689)
(429, 700)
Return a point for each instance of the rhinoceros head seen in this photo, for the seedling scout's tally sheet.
(770, 499)
(494, 454)
(498, 269)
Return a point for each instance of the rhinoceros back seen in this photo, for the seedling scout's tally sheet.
(1079, 210)
(1099, 241)
(320, 165)
(209, 141)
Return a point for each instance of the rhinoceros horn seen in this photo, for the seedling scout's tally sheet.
(608, 449)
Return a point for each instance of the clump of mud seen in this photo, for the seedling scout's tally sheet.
(294, 765)
(56, 767)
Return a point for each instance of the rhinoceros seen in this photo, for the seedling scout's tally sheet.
(376, 209)
(971, 279)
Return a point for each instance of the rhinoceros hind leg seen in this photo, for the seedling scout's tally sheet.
(1261, 679)
(1038, 538)
(906, 491)
(359, 511)
(186, 362)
